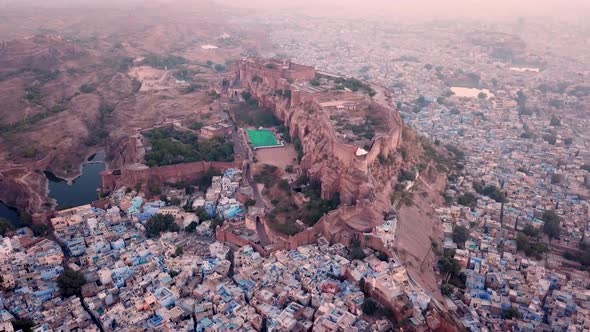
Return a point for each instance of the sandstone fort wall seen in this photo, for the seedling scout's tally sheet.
(171, 173)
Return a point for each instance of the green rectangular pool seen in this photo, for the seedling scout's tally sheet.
(262, 138)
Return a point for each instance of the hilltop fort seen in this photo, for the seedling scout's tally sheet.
(339, 154)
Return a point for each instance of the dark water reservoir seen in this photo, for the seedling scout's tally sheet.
(10, 213)
(83, 189)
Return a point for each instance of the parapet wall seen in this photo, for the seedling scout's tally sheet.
(172, 173)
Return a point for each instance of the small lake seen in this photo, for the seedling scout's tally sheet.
(470, 92)
(524, 69)
(83, 189)
(11, 214)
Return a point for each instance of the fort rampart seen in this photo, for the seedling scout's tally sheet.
(165, 174)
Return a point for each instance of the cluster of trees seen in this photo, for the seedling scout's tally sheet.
(551, 225)
(582, 257)
(354, 85)
(70, 283)
(170, 146)
(160, 223)
(450, 266)
(530, 244)
(26, 220)
(490, 191)
(467, 199)
(317, 207)
(257, 117)
(511, 313)
(460, 235)
(162, 62)
(309, 213)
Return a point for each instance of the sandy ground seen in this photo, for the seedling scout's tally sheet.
(152, 79)
(279, 157)
(417, 226)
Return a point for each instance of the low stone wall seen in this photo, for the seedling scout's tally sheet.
(173, 173)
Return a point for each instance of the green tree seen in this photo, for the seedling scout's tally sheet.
(555, 122)
(530, 230)
(511, 313)
(482, 95)
(191, 227)
(230, 257)
(70, 283)
(179, 250)
(448, 264)
(160, 223)
(26, 325)
(5, 226)
(446, 289)
(202, 214)
(382, 256)
(460, 235)
(369, 306)
(551, 224)
(467, 199)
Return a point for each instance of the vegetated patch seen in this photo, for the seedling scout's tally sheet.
(355, 85)
(252, 115)
(285, 213)
(164, 62)
(170, 146)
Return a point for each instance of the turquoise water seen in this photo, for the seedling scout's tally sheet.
(83, 189)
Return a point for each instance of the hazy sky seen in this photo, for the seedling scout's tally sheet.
(572, 10)
(443, 9)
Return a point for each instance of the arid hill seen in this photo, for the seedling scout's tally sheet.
(67, 86)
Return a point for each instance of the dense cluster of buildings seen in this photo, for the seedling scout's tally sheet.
(183, 282)
(29, 267)
(527, 136)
